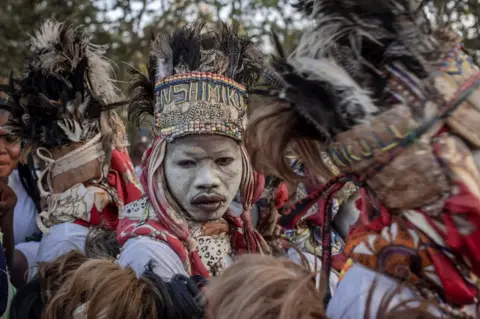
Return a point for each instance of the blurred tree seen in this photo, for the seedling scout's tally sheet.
(19, 18)
(464, 15)
(125, 25)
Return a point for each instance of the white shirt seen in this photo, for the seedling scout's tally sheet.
(138, 252)
(315, 266)
(61, 239)
(138, 171)
(352, 293)
(24, 218)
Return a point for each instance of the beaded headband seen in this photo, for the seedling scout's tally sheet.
(199, 103)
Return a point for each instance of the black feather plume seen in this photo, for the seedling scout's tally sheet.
(192, 49)
(142, 98)
(66, 79)
(186, 44)
(244, 61)
(313, 100)
(280, 52)
(304, 6)
(178, 298)
(364, 36)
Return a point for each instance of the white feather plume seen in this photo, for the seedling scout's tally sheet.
(47, 41)
(72, 129)
(327, 70)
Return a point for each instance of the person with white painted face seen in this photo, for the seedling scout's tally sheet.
(196, 91)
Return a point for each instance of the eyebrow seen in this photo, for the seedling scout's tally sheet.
(195, 155)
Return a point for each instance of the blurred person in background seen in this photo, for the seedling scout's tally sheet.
(15, 217)
(137, 154)
(24, 234)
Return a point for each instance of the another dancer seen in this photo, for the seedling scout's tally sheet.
(395, 105)
(61, 110)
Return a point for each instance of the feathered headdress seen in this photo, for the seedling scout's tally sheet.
(66, 92)
(204, 70)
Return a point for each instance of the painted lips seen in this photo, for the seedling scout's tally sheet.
(208, 203)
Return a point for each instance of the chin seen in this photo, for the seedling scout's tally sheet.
(206, 216)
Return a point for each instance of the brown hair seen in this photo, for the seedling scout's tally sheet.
(259, 286)
(101, 288)
(30, 300)
(74, 286)
(264, 287)
(53, 274)
(273, 133)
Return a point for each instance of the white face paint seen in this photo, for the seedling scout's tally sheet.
(203, 174)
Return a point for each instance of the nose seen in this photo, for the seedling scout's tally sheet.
(206, 179)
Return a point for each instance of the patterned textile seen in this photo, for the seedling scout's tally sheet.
(302, 225)
(214, 247)
(281, 195)
(460, 215)
(434, 247)
(94, 203)
(308, 238)
(160, 217)
(404, 253)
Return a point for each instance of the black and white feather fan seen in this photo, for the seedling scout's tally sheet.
(336, 78)
(65, 90)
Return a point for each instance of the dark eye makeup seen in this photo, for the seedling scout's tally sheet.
(186, 163)
(224, 161)
(221, 161)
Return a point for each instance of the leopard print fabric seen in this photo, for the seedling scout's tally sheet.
(214, 250)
